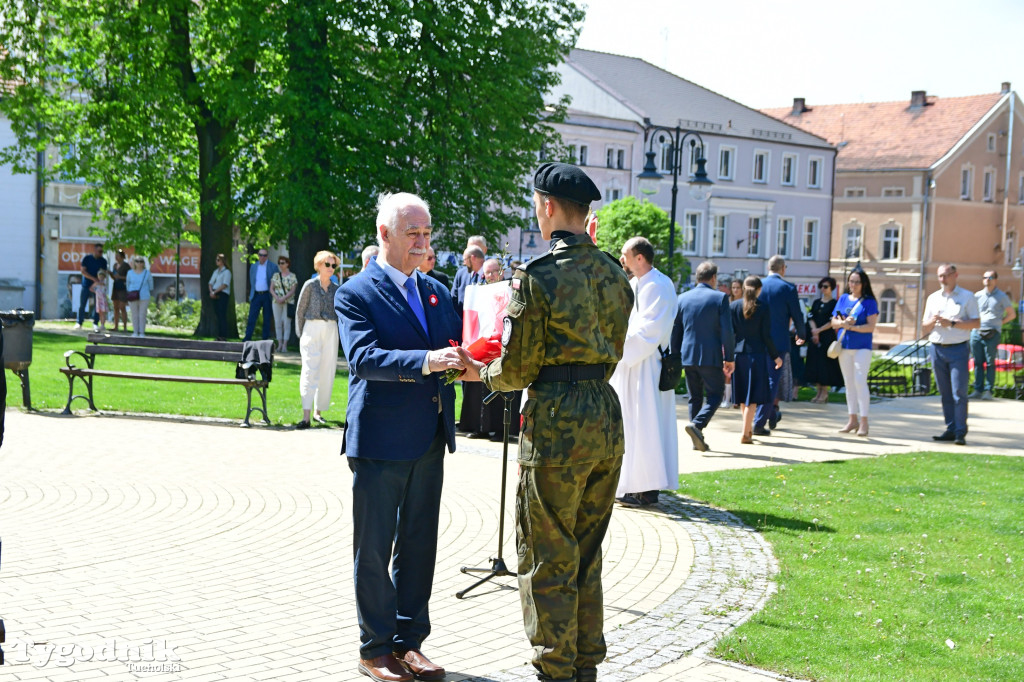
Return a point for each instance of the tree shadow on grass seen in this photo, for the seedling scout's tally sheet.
(686, 509)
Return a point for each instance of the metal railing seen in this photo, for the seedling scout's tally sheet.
(907, 370)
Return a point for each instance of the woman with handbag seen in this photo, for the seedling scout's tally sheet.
(282, 288)
(854, 319)
(821, 369)
(139, 283)
(754, 347)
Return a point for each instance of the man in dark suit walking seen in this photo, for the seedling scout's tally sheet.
(780, 298)
(703, 335)
(395, 326)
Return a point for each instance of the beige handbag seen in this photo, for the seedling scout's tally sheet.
(835, 346)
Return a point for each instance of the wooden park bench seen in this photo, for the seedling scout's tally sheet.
(227, 352)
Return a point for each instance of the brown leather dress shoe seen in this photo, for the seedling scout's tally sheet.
(384, 668)
(420, 666)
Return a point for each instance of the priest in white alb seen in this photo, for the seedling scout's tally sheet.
(651, 462)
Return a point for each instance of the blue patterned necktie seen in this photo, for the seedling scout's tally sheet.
(414, 302)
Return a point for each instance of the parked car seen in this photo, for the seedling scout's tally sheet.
(909, 353)
(1009, 358)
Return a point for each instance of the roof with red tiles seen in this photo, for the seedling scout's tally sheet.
(891, 135)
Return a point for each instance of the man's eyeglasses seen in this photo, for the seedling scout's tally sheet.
(430, 257)
(262, 255)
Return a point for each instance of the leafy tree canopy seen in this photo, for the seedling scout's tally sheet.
(630, 217)
(285, 119)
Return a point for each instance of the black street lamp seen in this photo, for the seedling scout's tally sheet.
(700, 185)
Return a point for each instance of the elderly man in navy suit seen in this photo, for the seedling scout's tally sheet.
(780, 298)
(396, 325)
(703, 334)
(260, 273)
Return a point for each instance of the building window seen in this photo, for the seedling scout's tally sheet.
(814, 172)
(891, 241)
(583, 155)
(70, 156)
(691, 228)
(887, 307)
(761, 166)
(573, 151)
(789, 169)
(988, 185)
(612, 194)
(718, 235)
(853, 240)
(725, 158)
(785, 236)
(666, 157)
(893, 192)
(966, 180)
(614, 158)
(991, 144)
(1020, 189)
(754, 236)
(854, 192)
(810, 247)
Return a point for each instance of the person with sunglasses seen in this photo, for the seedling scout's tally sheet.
(260, 274)
(316, 325)
(821, 369)
(427, 267)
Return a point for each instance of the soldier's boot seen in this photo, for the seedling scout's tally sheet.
(586, 675)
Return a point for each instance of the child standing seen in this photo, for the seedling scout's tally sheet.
(99, 288)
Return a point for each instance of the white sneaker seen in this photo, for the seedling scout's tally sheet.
(987, 395)
(972, 394)
(95, 327)
(78, 325)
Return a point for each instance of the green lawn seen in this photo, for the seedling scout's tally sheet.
(50, 387)
(901, 567)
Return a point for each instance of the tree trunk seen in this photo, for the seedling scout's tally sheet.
(215, 228)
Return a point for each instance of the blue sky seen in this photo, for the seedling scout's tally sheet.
(763, 53)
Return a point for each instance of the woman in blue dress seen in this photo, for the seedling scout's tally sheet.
(754, 347)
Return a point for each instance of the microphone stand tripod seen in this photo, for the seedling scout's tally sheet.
(498, 568)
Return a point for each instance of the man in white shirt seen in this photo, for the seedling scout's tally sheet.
(949, 316)
(651, 460)
(995, 309)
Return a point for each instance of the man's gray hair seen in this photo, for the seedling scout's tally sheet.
(706, 271)
(368, 253)
(640, 246)
(776, 263)
(390, 206)
(477, 239)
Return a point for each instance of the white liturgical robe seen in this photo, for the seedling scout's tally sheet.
(651, 461)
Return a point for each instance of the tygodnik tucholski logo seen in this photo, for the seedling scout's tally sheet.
(148, 655)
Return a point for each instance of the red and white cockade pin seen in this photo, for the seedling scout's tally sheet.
(433, 300)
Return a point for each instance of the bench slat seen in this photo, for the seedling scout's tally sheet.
(168, 353)
(162, 342)
(158, 377)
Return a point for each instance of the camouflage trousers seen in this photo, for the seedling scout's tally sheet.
(562, 515)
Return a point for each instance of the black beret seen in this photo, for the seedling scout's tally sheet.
(566, 182)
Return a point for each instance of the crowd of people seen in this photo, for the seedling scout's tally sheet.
(597, 410)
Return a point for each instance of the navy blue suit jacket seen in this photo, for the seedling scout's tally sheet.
(271, 269)
(779, 297)
(392, 407)
(703, 328)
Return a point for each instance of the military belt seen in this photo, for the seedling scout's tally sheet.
(571, 373)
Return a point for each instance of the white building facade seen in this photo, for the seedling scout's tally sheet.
(773, 182)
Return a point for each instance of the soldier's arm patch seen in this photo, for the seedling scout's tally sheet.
(506, 331)
(516, 283)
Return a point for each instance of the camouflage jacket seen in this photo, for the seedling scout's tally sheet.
(569, 306)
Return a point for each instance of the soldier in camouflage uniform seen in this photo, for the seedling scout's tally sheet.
(563, 336)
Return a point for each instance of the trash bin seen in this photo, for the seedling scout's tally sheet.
(922, 379)
(17, 356)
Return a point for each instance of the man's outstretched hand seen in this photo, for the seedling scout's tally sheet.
(472, 366)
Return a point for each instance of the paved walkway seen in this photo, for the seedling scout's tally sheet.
(217, 553)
